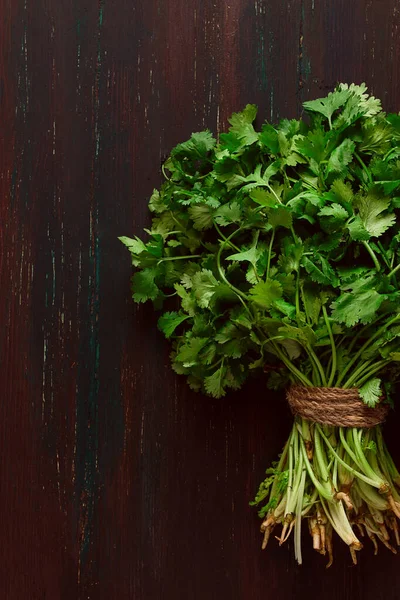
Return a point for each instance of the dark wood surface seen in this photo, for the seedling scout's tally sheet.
(117, 482)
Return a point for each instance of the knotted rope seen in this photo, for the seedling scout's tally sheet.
(334, 406)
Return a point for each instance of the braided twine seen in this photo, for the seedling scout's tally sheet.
(334, 406)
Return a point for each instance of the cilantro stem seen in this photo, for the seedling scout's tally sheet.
(394, 271)
(333, 346)
(297, 300)
(346, 445)
(363, 367)
(372, 255)
(364, 166)
(375, 369)
(270, 252)
(363, 460)
(164, 173)
(220, 269)
(225, 238)
(291, 453)
(321, 489)
(176, 221)
(365, 346)
(385, 257)
(302, 378)
(369, 480)
(363, 330)
(271, 189)
(190, 256)
(320, 368)
(320, 457)
(297, 524)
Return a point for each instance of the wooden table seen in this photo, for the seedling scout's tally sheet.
(117, 482)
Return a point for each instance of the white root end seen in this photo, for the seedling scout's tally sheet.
(394, 505)
(267, 534)
(329, 546)
(353, 554)
(346, 499)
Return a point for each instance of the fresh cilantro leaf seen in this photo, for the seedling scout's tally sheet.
(215, 384)
(228, 214)
(357, 230)
(269, 138)
(241, 124)
(198, 146)
(352, 308)
(321, 273)
(251, 255)
(202, 216)
(263, 197)
(204, 287)
(370, 208)
(371, 392)
(143, 285)
(313, 145)
(280, 217)
(340, 158)
(265, 293)
(230, 142)
(329, 105)
(334, 210)
(134, 245)
(169, 321)
(157, 203)
(188, 353)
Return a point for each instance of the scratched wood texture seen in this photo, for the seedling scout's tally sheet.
(117, 482)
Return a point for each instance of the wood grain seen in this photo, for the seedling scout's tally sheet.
(116, 480)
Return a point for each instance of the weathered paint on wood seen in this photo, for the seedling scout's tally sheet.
(116, 480)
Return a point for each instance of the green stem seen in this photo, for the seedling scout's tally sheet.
(225, 238)
(364, 166)
(190, 256)
(290, 466)
(333, 346)
(270, 252)
(377, 367)
(383, 252)
(298, 294)
(297, 525)
(364, 366)
(164, 173)
(271, 189)
(369, 480)
(372, 255)
(363, 330)
(220, 269)
(394, 271)
(321, 459)
(369, 341)
(347, 447)
(291, 503)
(321, 489)
(363, 460)
(317, 364)
(302, 378)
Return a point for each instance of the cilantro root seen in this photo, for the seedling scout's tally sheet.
(275, 251)
(317, 482)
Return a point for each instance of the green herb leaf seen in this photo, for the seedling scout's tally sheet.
(371, 392)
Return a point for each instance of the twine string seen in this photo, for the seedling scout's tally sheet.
(334, 406)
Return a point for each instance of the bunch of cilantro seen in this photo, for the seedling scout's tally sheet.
(276, 252)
